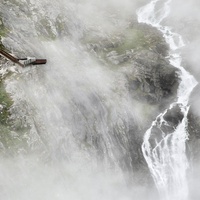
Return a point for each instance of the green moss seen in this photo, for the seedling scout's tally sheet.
(123, 45)
(132, 39)
(45, 30)
(60, 26)
(139, 37)
(6, 138)
(11, 142)
(16, 2)
(3, 30)
(1, 45)
(6, 102)
(11, 138)
(4, 130)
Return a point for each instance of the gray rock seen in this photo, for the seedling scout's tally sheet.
(194, 126)
(194, 113)
(152, 78)
(1, 107)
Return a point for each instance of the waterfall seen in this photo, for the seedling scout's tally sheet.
(73, 113)
(165, 151)
(76, 125)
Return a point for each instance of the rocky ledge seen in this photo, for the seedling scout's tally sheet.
(139, 52)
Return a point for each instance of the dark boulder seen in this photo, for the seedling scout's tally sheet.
(138, 56)
(139, 51)
(152, 78)
(173, 117)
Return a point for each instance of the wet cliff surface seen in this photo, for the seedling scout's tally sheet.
(98, 94)
(138, 56)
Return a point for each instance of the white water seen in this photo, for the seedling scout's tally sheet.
(167, 159)
(78, 109)
(74, 104)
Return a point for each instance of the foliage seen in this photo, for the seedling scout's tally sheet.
(5, 102)
(3, 29)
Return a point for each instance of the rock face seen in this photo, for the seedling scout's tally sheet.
(193, 145)
(139, 55)
(152, 78)
(194, 124)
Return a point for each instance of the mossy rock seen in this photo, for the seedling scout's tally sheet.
(5, 102)
(120, 48)
(3, 30)
(11, 138)
(11, 142)
(45, 30)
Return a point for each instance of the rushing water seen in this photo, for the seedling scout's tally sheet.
(166, 157)
(75, 113)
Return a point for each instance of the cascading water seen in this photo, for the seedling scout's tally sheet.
(166, 153)
(75, 115)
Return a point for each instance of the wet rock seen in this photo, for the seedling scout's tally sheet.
(1, 107)
(194, 125)
(154, 39)
(172, 117)
(132, 39)
(152, 78)
(194, 114)
(139, 53)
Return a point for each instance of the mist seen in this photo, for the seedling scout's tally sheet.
(69, 111)
(74, 119)
(186, 20)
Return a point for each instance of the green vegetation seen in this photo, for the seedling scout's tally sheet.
(3, 29)
(141, 37)
(6, 137)
(12, 138)
(3, 32)
(60, 25)
(5, 130)
(132, 39)
(45, 30)
(49, 30)
(16, 2)
(11, 142)
(5, 102)
(119, 49)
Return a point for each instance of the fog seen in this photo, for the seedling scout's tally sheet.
(185, 18)
(75, 97)
(74, 106)
(27, 177)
